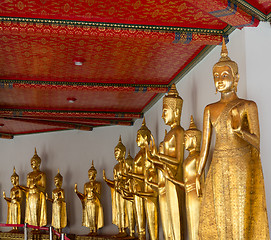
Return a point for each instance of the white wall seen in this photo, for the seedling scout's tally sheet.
(258, 52)
(72, 151)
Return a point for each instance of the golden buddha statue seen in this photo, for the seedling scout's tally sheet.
(126, 194)
(192, 140)
(160, 186)
(35, 207)
(144, 194)
(14, 202)
(171, 154)
(59, 212)
(92, 208)
(119, 213)
(233, 204)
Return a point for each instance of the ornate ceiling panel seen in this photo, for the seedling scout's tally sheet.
(47, 52)
(150, 12)
(112, 59)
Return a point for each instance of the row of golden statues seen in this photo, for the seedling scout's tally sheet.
(228, 204)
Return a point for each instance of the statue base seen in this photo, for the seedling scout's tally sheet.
(103, 237)
(32, 235)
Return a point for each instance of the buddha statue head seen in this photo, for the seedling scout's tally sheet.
(58, 179)
(35, 161)
(192, 137)
(172, 106)
(143, 134)
(92, 172)
(14, 178)
(225, 72)
(120, 150)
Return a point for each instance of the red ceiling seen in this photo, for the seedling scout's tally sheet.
(161, 13)
(132, 51)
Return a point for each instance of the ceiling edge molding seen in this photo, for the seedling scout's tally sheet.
(245, 6)
(111, 25)
(14, 83)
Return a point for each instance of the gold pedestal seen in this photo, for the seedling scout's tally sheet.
(102, 237)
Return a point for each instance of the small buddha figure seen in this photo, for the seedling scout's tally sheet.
(35, 207)
(119, 213)
(92, 208)
(192, 140)
(233, 204)
(59, 212)
(145, 196)
(14, 202)
(172, 156)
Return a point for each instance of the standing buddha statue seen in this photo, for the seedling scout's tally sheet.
(92, 208)
(14, 202)
(59, 212)
(35, 207)
(233, 204)
(119, 213)
(126, 194)
(172, 156)
(144, 193)
(192, 140)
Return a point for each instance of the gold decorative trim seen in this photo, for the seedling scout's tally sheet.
(113, 25)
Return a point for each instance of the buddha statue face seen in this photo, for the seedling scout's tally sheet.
(225, 72)
(189, 142)
(224, 78)
(168, 115)
(35, 164)
(119, 154)
(143, 135)
(92, 175)
(140, 140)
(14, 180)
(58, 182)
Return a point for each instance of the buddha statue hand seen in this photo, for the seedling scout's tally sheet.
(190, 187)
(104, 177)
(235, 120)
(46, 196)
(75, 188)
(4, 194)
(198, 186)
